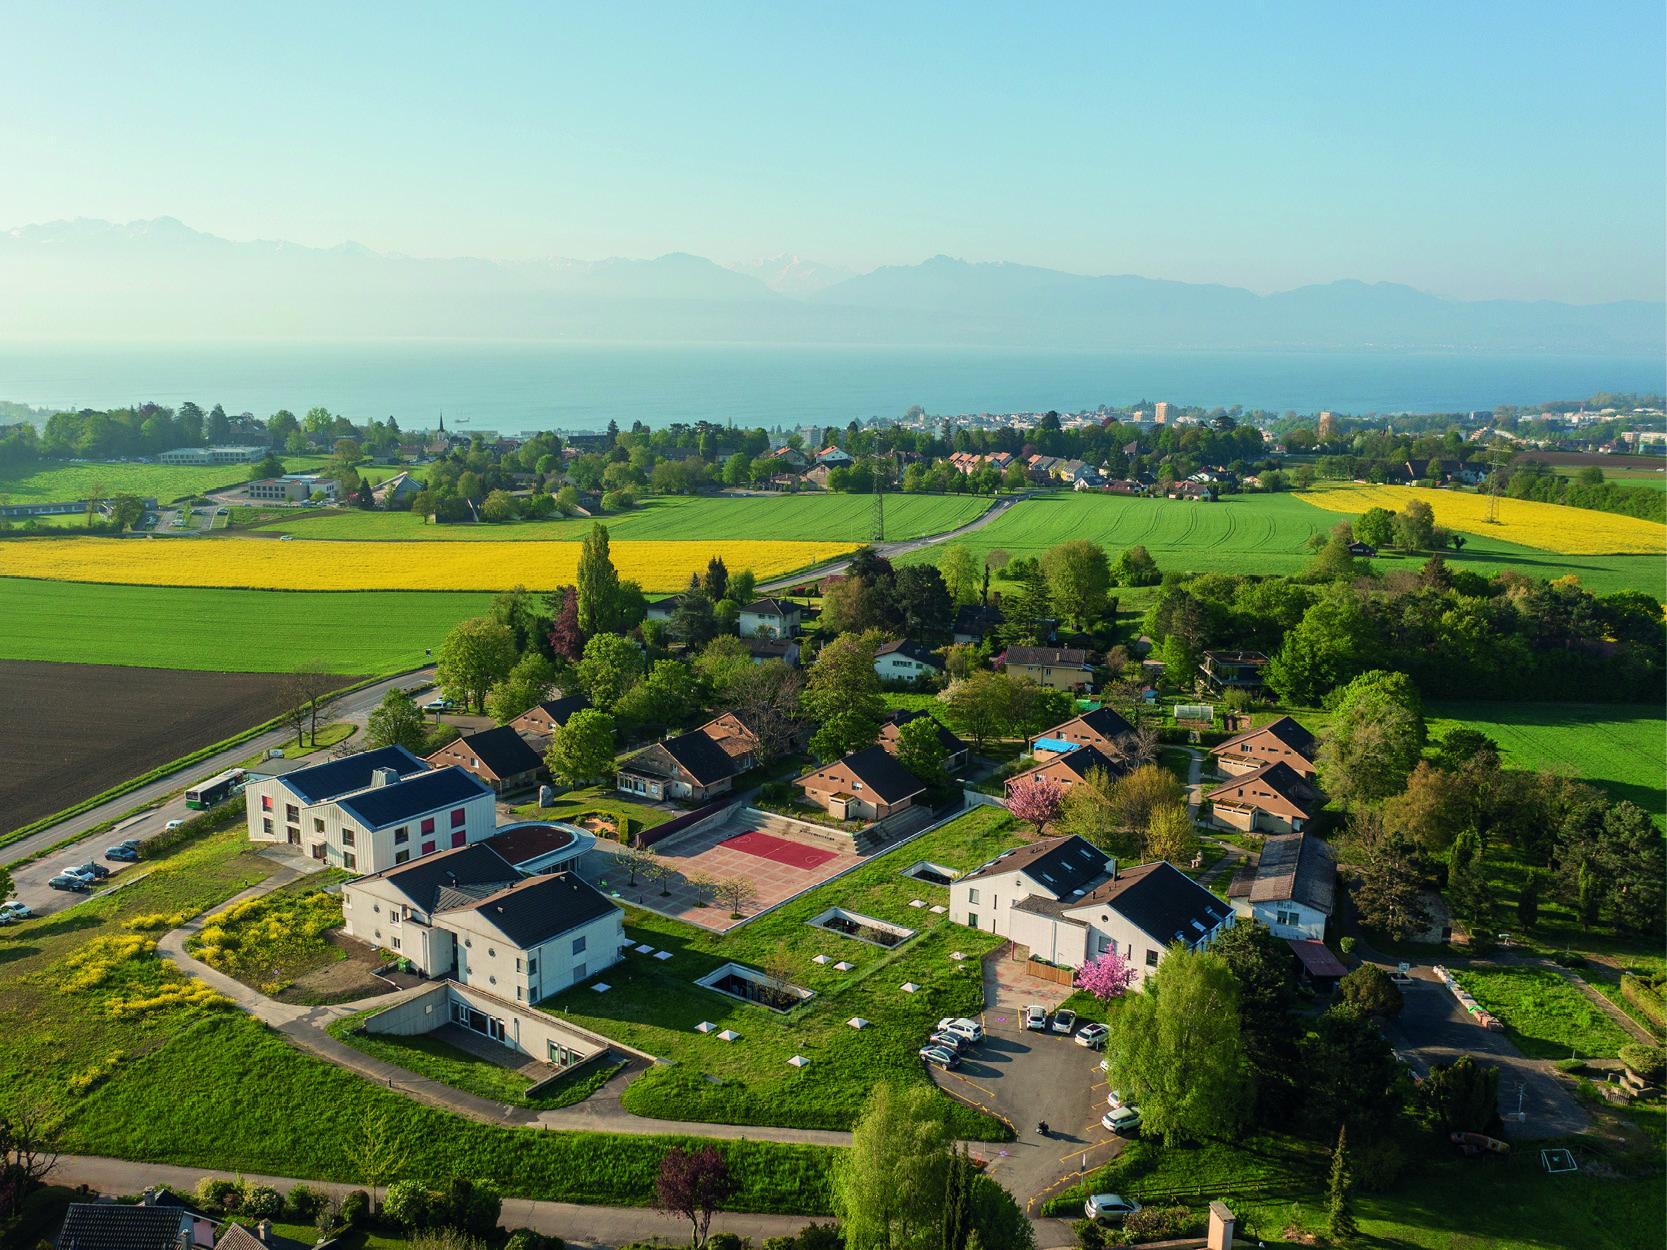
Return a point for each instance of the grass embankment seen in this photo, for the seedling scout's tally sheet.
(122, 1064)
(226, 630)
(1544, 1016)
(574, 805)
(654, 1005)
(440, 1061)
(1269, 533)
(270, 941)
(792, 518)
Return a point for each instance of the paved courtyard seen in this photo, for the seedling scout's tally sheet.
(785, 862)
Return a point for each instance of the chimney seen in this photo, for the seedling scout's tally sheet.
(1113, 867)
(263, 1230)
(149, 1197)
(383, 777)
(1221, 1228)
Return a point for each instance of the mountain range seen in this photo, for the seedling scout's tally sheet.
(90, 279)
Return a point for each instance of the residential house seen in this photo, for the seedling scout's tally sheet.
(789, 457)
(770, 618)
(1362, 551)
(1101, 728)
(1275, 798)
(956, 752)
(1067, 769)
(906, 661)
(276, 806)
(1061, 668)
(542, 719)
(397, 490)
(763, 650)
(974, 621)
(1233, 670)
(834, 458)
(499, 756)
(866, 785)
(735, 737)
(1197, 492)
(817, 476)
(1067, 902)
(1292, 888)
(467, 915)
(663, 609)
(689, 766)
(128, 1226)
(1280, 740)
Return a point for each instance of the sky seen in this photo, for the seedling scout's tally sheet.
(1476, 150)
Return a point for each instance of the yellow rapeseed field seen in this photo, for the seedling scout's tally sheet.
(265, 564)
(1526, 522)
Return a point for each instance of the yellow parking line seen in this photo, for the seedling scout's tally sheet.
(969, 1081)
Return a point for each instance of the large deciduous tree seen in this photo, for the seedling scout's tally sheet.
(842, 696)
(599, 598)
(610, 666)
(1334, 642)
(397, 722)
(889, 1184)
(1176, 1049)
(920, 749)
(1078, 577)
(526, 684)
(694, 1184)
(1375, 738)
(582, 750)
(475, 656)
(961, 574)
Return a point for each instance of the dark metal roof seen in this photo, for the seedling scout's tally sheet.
(381, 806)
(118, 1226)
(699, 756)
(1060, 657)
(1286, 730)
(910, 649)
(326, 781)
(519, 844)
(540, 908)
(559, 710)
(468, 866)
(1161, 900)
(504, 752)
(877, 769)
(772, 607)
(1105, 722)
(1060, 865)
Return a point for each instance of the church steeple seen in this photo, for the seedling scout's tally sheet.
(442, 422)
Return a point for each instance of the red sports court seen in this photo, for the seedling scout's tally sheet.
(768, 846)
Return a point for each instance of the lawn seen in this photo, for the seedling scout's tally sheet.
(55, 482)
(1544, 1016)
(1617, 746)
(596, 800)
(226, 630)
(655, 1005)
(120, 1068)
(1265, 534)
(801, 518)
(440, 1061)
(270, 941)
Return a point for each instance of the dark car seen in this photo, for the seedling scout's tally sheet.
(97, 870)
(64, 881)
(122, 854)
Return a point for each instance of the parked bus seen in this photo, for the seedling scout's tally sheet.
(214, 791)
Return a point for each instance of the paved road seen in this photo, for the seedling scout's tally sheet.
(30, 879)
(892, 550)
(596, 1228)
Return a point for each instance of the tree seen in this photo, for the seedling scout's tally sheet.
(475, 655)
(1026, 611)
(692, 621)
(1368, 988)
(983, 705)
(1175, 1050)
(567, 640)
(1107, 977)
(1078, 577)
(610, 666)
(1430, 808)
(1375, 527)
(1143, 791)
(920, 749)
(1528, 897)
(1090, 811)
(888, 1185)
(670, 693)
(1340, 1225)
(518, 609)
(25, 1158)
(1136, 567)
(1388, 892)
(1330, 645)
(1462, 1096)
(127, 511)
(498, 506)
(1415, 526)
(599, 600)
(1375, 738)
(923, 603)
(737, 894)
(1350, 1075)
(961, 574)
(1266, 972)
(527, 683)
(1171, 835)
(397, 722)
(583, 749)
(1035, 799)
(716, 581)
(408, 1204)
(694, 1184)
(842, 696)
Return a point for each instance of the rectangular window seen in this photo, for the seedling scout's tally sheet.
(579, 945)
(318, 824)
(972, 919)
(532, 965)
(292, 813)
(266, 802)
(428, 824)
(402, 834)
(458, 816)
(520, 964)
(579, 972)
(349, 860)
(347, 837)
(395, 943)
(401, 856)
(459, 838)
(972, 896)
(428, 848)
(266, 824)
(517, 993)
(1151, 958)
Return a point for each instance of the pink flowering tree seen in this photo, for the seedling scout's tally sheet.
(1106, 977)
(1035, 799)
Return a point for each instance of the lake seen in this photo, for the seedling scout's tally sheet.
(513, 387)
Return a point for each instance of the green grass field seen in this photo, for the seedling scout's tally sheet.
(1544, 1016)
(789, 518)
(52, 481)
(117, 1070)
(1262, 534)
(1617, 746)
(225, 630)
(655, 1005)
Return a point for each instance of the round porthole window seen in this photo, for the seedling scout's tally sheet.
(377, 908)
(468, 943)
(492, 952)
(493, 980)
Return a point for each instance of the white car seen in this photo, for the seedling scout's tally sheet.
(84, 873)
(1109, 1207)
(1114, 1099)
(14, 910)
(969, 1029)
(1092, 1036)
(173, 824)
(1123, 1121)
(1036, 1017)
(1064, 1020)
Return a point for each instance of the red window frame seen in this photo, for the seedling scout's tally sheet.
(458, 817)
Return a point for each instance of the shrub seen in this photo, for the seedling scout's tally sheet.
(810, 1237)
(473, 1206)
(1161, 1223)
(1646, 998)
(355, 1209)
(1090, 1236)
(1649, 1062)
(532, 1239)
(725, 1241)
(262, 1202)
(218, 1191)
(408, 1204)
(306, 1203)
(1346, 945)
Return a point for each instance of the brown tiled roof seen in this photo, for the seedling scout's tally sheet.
(1296, 866)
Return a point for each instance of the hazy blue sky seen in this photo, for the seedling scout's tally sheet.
(1472, 149)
